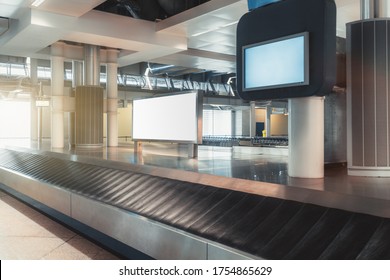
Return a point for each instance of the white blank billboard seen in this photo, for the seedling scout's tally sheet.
(173, 118)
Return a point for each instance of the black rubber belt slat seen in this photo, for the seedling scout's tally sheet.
(203, 204)
(240, 229)
(318, 238)
(352, 239)
(186, 204)
(265, 231)
(281, 244)
(73, 172)
(264, 226)
(177, 201)
(92, 185)
(150, 202)
(137, 190)
(124, 193)
(218, 228)
(203, 214)
(157, 187)
(166, 200)
(119, 191)
(377, 247)
(130, 191)
(203, 221)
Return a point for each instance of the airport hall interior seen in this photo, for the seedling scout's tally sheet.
(194, 129)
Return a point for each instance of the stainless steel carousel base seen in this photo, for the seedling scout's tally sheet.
(152, 238)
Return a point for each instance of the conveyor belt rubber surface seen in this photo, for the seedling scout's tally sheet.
(267, 227)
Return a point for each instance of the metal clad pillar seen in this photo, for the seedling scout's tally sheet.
(112, 98)
(368, 103)
(77, 80)
(57, 95)
(306, 137)
(368, 106)
(252, 119)
(268, 121)
(89, 102)
(89, 116)
(382, 9)
(92, 65)
(367, 9)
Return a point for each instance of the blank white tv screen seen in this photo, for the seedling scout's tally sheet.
(168, 118)
(282, 62)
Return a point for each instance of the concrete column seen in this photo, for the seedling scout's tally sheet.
(77, 72)
(306, 137)
(252, 119)
(92, 65)
(112, 98)
(57, 95)
(34, 109)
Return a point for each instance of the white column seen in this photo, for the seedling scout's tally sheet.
(252, 119)
(306, 137)
(112, 98)
(57, 95)
(34, 109)
(268, 113)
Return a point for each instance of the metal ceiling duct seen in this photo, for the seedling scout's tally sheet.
(173, 7)
(4, 25)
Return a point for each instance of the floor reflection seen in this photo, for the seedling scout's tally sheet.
(223, 162)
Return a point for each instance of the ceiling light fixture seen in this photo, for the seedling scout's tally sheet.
(37, 3)
(214, 29)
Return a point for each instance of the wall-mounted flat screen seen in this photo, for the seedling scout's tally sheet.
(176, 118)
(282, 62)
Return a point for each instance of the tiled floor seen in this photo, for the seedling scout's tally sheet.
(26, 234)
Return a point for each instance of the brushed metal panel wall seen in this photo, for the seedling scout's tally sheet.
(335, 132)
(368, 86)
(89, 116)
(356, 88)
(381, 93)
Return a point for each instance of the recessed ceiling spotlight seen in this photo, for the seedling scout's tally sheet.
(36, 3)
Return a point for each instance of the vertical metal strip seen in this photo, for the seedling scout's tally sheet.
(362, 97)
(387, 92)
(375, 99)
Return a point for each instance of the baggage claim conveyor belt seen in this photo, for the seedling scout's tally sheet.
(162, 218)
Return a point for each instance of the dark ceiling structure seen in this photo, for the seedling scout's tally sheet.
(156, 10)
(152, 10)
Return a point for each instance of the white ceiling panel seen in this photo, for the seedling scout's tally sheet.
(74, 8)
(12, 8)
